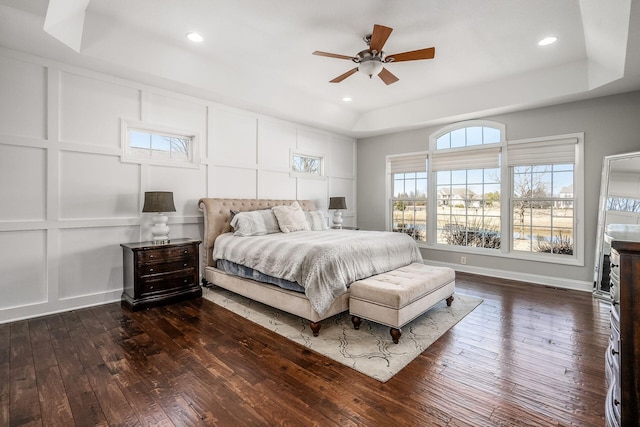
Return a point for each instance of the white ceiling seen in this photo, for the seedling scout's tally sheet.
(257, 54)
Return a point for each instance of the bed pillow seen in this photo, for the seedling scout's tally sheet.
(255, 223)
(316, 220)
(291, 218)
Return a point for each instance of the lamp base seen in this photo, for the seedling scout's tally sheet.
(337, 218)
(160, 229)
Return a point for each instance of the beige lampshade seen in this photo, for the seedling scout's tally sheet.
(158, 201)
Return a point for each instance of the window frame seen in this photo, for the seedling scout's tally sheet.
(309, 154)
(193, 157)
(414, 200)
(506, 185)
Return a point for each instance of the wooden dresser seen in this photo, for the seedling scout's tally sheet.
(156, 274)
(622, 364)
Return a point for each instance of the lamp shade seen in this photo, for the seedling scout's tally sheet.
(337, 203)
(158, 201)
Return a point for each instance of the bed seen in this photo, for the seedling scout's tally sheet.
(217, 225)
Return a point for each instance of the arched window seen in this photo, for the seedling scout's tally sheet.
(465, 161)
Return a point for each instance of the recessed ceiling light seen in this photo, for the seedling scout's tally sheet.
(346, 99)
(547, 41)
(195, 37)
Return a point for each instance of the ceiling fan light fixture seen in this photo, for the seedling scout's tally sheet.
(371, 67)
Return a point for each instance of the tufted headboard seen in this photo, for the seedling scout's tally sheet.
(217, 216)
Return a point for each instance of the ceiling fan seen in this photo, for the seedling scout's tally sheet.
(371, 61)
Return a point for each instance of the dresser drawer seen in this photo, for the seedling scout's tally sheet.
(165, 254)
(166, 282)
(151, 268)
(612, 415)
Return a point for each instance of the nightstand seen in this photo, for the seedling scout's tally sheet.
(156, 274)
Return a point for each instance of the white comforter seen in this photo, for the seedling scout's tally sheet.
(323, 262)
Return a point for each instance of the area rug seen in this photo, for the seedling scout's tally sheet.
(368, 350)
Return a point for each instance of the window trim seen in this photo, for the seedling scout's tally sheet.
(578, 190)
(127, 126)
(505, 251)
(311, 154)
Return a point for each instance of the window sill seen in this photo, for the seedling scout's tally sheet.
(534, 257)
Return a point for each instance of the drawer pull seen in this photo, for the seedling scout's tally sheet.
(151, 287)
(185, 264)
(185, 280)
(186, 251)
(151, 269)
(614, 352)
(615, 265)
(150, 256)
(616, 402)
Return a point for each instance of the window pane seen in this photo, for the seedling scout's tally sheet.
(459, 177)
(466, 216)
(491, 135)
(475, 176)
(158, 146)
(474, 135)
(443, 177)
(458, 138)
(306, 164)
(409, 210)
(444, 141)
(543, 215)
(139, 140)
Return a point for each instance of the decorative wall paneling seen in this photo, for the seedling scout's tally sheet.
(68, 201)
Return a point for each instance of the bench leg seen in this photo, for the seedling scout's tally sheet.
(449, 301)
(315, 328)
(356, 322)
(395, 335)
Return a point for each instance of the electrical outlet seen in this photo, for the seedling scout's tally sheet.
(463, 260)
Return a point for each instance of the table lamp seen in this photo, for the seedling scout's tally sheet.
(159, 202)
(337, 203)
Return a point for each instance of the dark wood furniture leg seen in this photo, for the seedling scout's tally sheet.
(449, 301)
(395, 335)
(315, 328)
(356, 322)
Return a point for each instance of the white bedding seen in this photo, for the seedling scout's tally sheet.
(323, 262)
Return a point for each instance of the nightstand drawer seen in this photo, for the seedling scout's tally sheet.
(165, 254)
(165, 282)
(163, 267)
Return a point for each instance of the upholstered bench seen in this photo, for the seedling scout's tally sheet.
(397, 297)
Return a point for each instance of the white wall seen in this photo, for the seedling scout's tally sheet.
(67, 201)
(610, 125)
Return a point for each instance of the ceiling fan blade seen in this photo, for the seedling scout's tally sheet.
(379, 37)
(344, 76)
(427, 53)
(387, 76)
(332, 55)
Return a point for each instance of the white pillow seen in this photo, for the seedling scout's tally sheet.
(291, 218)
(255, 223)
(316, 220)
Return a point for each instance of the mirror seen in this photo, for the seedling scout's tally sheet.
(619, 204)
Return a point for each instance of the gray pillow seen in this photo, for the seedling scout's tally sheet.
(255, 223)
(316, 220)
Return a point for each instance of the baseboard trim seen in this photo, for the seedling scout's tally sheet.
(556, 282)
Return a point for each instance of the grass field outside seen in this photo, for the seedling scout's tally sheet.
(533, 228)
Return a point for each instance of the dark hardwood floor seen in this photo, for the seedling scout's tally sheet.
(529, 355)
